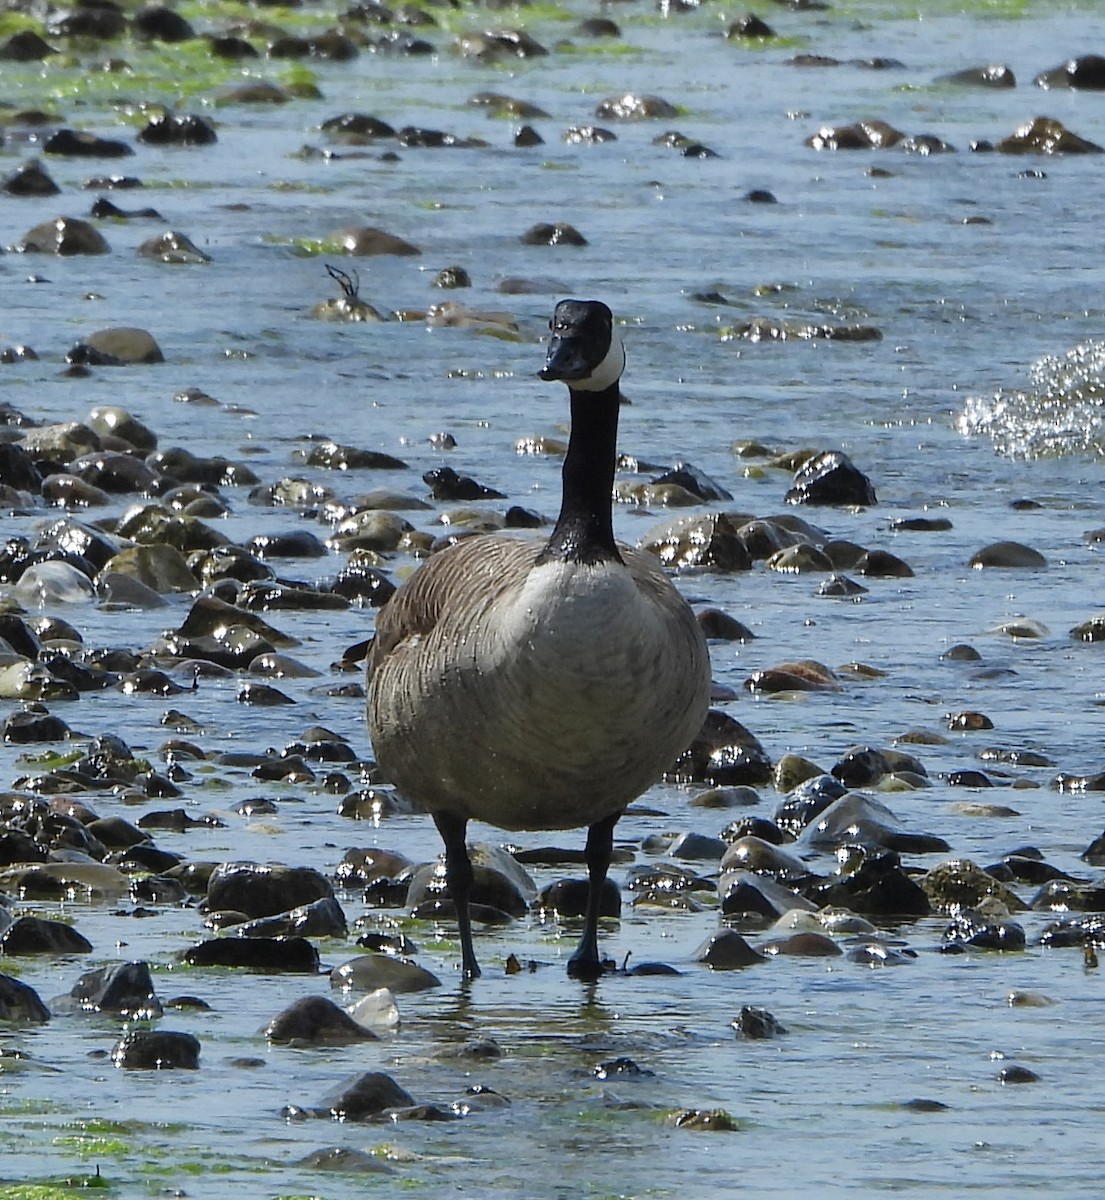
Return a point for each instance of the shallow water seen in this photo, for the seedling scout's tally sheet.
(965, 311)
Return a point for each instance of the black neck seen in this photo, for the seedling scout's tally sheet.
(584, 530)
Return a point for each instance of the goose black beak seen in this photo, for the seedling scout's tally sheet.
(565, 360)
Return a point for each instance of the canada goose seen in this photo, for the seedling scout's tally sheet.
(541, 684)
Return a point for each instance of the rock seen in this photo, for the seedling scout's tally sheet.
(362, 1097)
(37, 935)
(969, 928)
(118, 346)
(831, 478)
(321, 918)
(445, 484)
(161, 568)
(264, 891)
(156, 1050)
(631, 107)
(65, 236)
(1009, 555)
(499, 882)
(1046, 135)
(724, 753)
(863, 135)
(856, 819)
(20, 1003)
(558, 234)
(726, 950)
(292, 955)
(959, 884)
(745, 893)
(1086, 71)
(996, 75)
(876, 886)
(362, 241)
(50, 583)
(178, 129)
(30, 179)
(172, 247)
(757, 1024)
(125, 989)
(804, 676)
(750, 853)
(84, 144)
(370, 972)
(314, 1021)
(344, 1161)
(568, 898)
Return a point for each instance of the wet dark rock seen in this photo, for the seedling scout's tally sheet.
(499, 883)
(363, 241)
(863, 135)
(30, 179)
(859, 820)
(724, 753)
(1008, 555)
(74, 143)
(316, 1021)
(878, 954)
(65, 236)
(807, 944)
(178, 129)
(156, 1050)
(172, 247)
(749, 26)
(720, 626)
(1061, 895)
(996, 75)
(757, 827)
(1086, 71)
(20, 1004)
(558, 234)
(117, 346)
(368, 972)
(831, 478)
(1046, 135)
(876, 887)
(881, 564)
(1092, 630)
(703, 1120)
(364, 865)
(757, 1024)
(336, 457)
(363, 1097)
(568, 898)
(445, 484)
(862, 766)
(1076, 931)
(632, 107)
(125, 989)
(31, 726)
(1017, 1074)
(621, 1068)
(587, 135)
(807, 801)
(344, 1161)
(751, 853)
(726, 950)
(804, 676)
(163, 24)
(745, 894)
(38, 935)
(322, 918)
(264, 891)
(969, 928)
(961, 885)
(293, 955)
(710, 540)
(526, 136)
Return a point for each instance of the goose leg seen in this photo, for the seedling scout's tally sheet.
(458, 875)
(585, 963)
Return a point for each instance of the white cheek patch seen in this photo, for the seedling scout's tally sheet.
(608, 372)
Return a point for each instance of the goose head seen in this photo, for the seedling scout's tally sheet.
(586, 350)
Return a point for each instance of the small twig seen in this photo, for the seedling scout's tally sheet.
(349, 284)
